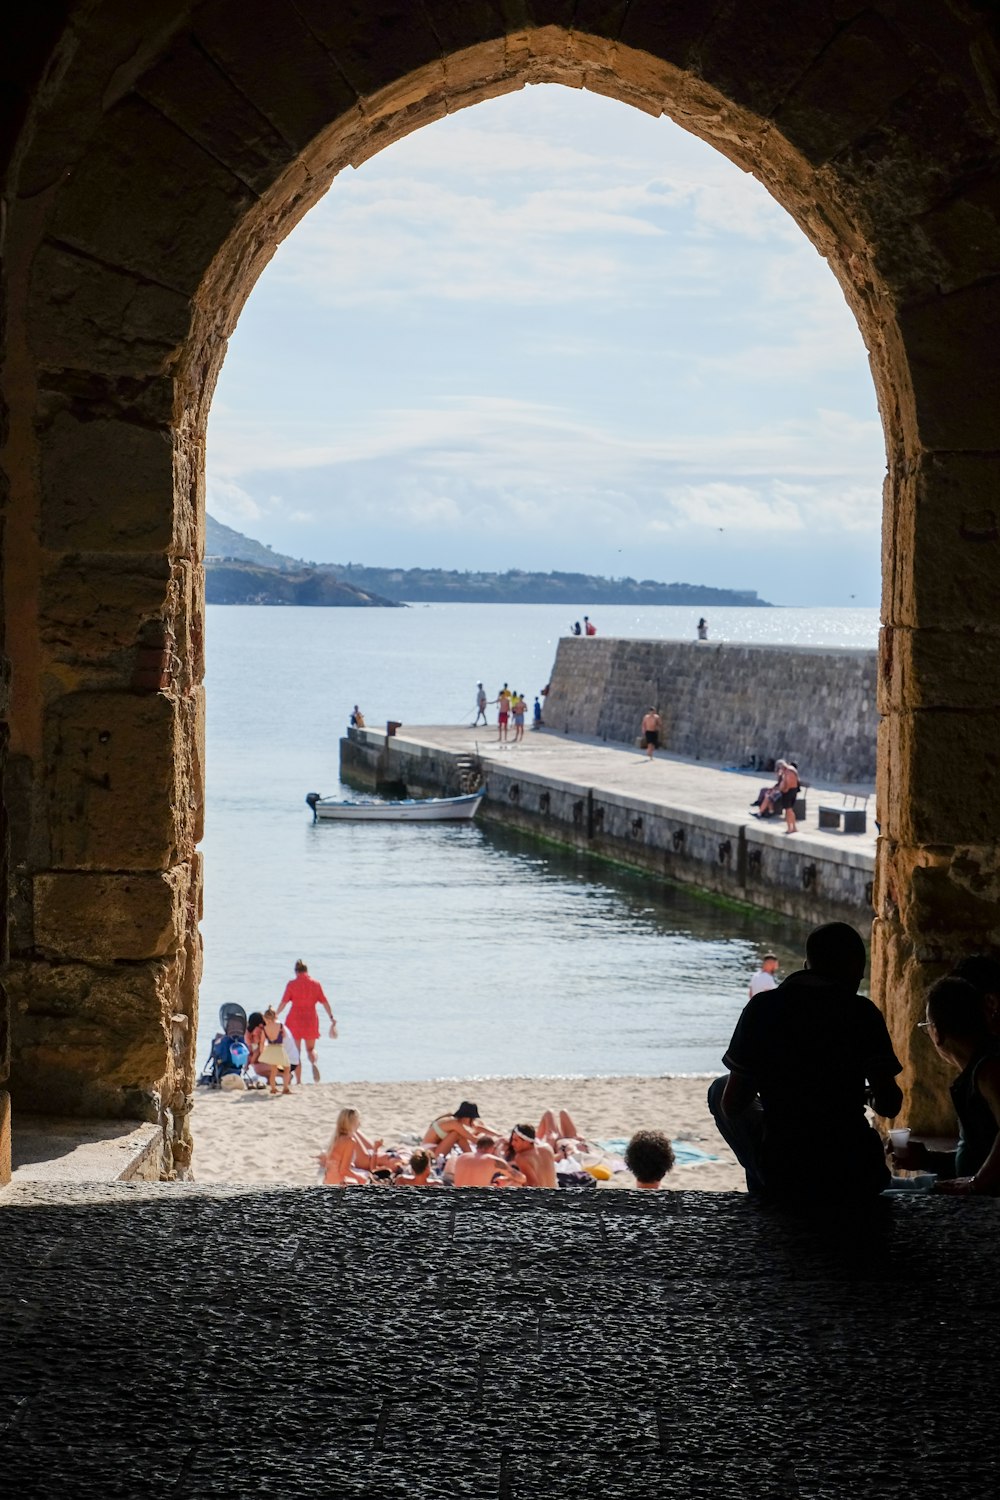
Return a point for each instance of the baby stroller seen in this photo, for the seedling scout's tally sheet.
(228, 1059)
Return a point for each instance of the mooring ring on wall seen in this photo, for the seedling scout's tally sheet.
(544, 802)
(598, 817)
(678, 838)
(636, 827)
(514, 792)
(725, 851)
(809, 874)
(578, 812)
(754, 862)
(870, 893)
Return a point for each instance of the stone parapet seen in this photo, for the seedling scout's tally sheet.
(726, 702)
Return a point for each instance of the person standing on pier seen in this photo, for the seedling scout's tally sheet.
(651, 726)
(481, 701)
(304, 996)
(703, 629)
(518, 708)
(503, 713)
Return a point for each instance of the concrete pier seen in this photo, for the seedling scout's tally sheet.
(683, 820)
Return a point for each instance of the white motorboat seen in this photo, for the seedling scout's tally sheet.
(411, 810)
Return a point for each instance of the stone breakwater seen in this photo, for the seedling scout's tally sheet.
(679, 820)
(725, 703)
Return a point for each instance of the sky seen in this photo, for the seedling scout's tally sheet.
(552, 332)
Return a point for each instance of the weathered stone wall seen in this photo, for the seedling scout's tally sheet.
(152, 157)
(725, 702)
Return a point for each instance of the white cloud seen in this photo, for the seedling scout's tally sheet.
(562, 334)
(229, 502)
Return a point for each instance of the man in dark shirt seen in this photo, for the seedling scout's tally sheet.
(804, 1060)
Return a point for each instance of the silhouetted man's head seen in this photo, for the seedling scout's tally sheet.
(836, 951)
(955, 1014)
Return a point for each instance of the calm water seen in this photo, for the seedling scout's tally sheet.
(451, 951)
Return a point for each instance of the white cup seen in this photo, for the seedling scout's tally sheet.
(899, 1139)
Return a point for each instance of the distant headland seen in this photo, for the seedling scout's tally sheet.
(239, 570)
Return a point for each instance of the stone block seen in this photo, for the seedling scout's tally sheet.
(107, 918)
(107, 485)
(277, 54)
(939, 668)
(950, 344)
(374, 46)
(115, 787)
(147, 198)
(848, 88)
(670, 32)
(457, 27)
(602, 18)
(94, 607)
(963, 235)
(197, 94)
(93, 317)
(941, 784)
(941, 551)
(755, 55)
(91, 1039)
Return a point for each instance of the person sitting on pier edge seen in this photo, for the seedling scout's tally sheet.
(589, 628)
(957, 1025)
(768, 799)
(804, 1060)
(576, 628)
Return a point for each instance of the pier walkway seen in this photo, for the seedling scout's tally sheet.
(686, 820)
(668, 781)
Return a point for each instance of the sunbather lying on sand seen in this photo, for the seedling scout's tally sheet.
(483, 1168)
(560, 1132)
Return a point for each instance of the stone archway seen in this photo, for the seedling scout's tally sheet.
(162, 157)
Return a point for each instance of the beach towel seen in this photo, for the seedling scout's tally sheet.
(685, 1155)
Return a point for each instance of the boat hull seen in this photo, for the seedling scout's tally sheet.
(430, 810)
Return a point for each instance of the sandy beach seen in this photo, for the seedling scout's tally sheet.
(250, 1137)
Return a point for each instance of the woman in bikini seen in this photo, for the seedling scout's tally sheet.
(273, 1054)
(461, 1129)
(351, 1156)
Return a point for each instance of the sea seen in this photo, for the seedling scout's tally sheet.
(454, 952)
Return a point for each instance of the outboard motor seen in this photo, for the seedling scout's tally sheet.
(312, 798)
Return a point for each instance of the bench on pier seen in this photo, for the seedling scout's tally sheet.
(855, 817)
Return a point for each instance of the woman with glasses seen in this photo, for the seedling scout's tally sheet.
(958, 1027)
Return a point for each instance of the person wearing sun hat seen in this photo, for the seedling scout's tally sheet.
(462, 1129)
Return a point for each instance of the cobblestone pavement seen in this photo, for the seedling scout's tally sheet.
(185, 1341)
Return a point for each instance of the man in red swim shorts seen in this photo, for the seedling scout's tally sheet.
(304, 995)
